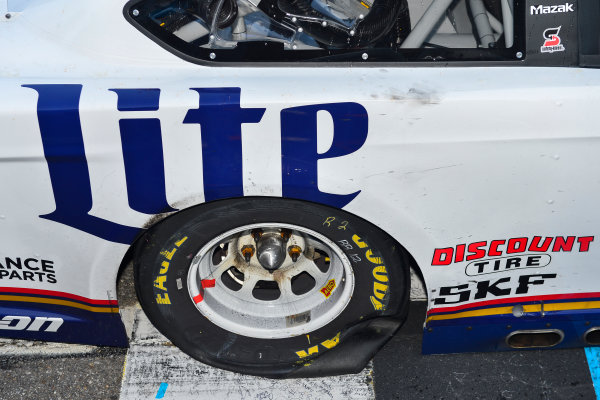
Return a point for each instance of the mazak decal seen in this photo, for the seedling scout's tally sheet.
(552, 41)
(20, 323)
(487, 289)
(27, 269)
(556, 9)
(219, 116)
(512, 246)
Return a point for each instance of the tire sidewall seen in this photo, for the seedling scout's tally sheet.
(380, 278)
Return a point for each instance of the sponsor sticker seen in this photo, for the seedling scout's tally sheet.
(297, 319)
(556, 9)
(20, 322)
(513, 247)
(492, 265)
(328, 288)
(490, 289)
(27, 269)
(552, 41)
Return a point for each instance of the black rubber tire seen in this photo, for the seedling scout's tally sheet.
(183, 324)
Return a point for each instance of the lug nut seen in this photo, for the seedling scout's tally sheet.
(286, 234)
(294, 252)
(256, 234)
(247, 252)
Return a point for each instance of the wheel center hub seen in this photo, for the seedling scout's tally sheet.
(271, 251)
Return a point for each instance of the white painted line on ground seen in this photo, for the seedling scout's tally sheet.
(156, 369)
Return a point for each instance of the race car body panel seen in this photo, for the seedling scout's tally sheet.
(486, 175)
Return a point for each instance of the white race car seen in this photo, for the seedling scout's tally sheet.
(274, 169)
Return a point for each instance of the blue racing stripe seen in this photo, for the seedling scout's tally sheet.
(161, 390)
(593, 359)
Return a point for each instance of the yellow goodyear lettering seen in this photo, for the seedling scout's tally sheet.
(372, 258)
(380, 273)
(377, 305)
(161, 278)
(164, 267)
(159, 282)
(180, 242)
(163, 298)
(328, 288)
(356, 239)
(311, 350)
(328, 344)
(331, 343)
(379, 290)
(168, 254)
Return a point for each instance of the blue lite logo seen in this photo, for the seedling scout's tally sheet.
(220, 118)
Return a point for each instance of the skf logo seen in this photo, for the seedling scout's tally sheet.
(490, 289)
(328, 289)
(562, 8)
(21, 323)
(552, 42)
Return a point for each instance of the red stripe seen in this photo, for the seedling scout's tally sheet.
(53, 293)
(515, 300)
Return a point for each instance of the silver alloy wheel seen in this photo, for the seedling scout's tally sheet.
(310, 288)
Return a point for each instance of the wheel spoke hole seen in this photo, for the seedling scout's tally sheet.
(220, 253)
(233, 279)
(266, 290)
(302, 283)
(322, 260)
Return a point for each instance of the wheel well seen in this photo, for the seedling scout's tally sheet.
(419, 292)
(125, 281)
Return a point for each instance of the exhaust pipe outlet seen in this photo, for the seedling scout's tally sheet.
(592, 336)
(531, 339)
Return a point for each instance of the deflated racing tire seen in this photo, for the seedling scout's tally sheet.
(273, 287)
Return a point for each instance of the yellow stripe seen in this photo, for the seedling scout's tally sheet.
(530, 308)
(578, 305)
(482, 313)
(58, 302)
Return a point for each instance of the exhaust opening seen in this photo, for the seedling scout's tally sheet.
(592, 336)
(535, 338)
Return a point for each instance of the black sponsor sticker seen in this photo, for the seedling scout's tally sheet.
(27, 269)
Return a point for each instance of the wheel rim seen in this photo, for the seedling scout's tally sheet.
(312, 285)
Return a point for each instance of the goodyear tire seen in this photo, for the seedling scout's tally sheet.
(269, 286)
